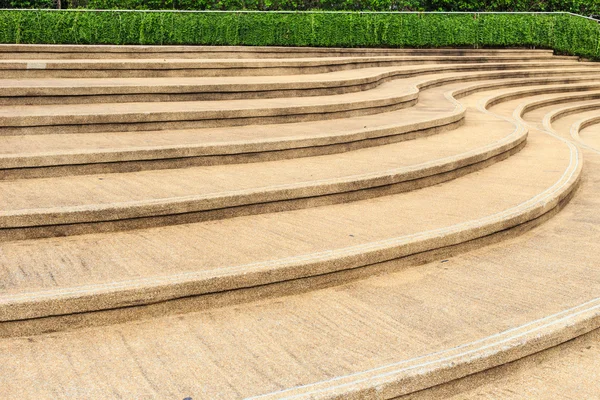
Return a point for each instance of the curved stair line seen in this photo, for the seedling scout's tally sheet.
(425, 256)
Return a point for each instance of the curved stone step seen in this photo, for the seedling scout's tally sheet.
(582, 116)
(101, 90)
(134, 200)
(249, 252)
(383, 336)
(72, 118)
(46, 52)
(587, 131)
(290, 304)
(569, 369)
(65, 154)
(27, 156)
(247, 67)
(34, 119)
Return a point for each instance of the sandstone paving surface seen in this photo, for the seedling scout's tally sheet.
(591, 135)
(568, 371)
(474, 268)
(317, 336)
(205, 180)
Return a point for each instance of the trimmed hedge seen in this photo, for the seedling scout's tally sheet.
(563, 32)
(583, 7)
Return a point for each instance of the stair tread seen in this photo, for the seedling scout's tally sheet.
(591, 135)
(383, 291)
(338, 77)
(213, 248)
(24, 115)
(568, 371)
(104, 197)
(272, 345)
(122, 191)
(72, 148)
(226, 178)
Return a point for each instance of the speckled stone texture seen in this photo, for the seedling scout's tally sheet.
(297, 223)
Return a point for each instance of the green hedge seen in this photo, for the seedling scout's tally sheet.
(563, 32)
(583, 7)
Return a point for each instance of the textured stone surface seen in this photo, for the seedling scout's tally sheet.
(307, 252)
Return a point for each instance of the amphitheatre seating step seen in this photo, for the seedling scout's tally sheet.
(579, 119)
(248, 251)
(328, 301)
(553, 116)
(64, 154)
(590, 135)
(144, 199)
(146, 116)
(389, 96)
(28, 51)
(247, 67)
(569, 370)
(102, 90)
(392, 334)
(119, 151)
(190, 195)
(222, 191)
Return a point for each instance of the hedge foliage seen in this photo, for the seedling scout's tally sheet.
(583, 7)
(563, 32)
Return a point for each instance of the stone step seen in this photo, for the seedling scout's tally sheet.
(569, 370)
(244, 67)
(433, 244)
(386, 335)
(103, 90)
(566, 367)
(294, 244)
(65, 154)
(29, 51)
(145, 199)
(60, 206)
